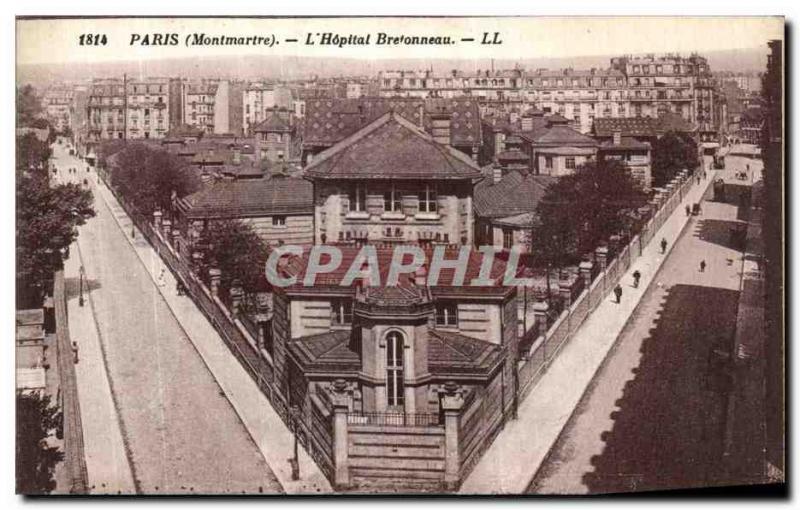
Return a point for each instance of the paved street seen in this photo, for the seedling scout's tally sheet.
(182, 433)
(511, 462)
(654, 416)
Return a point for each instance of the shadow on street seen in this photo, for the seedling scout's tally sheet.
(669, 427)
(72, 286)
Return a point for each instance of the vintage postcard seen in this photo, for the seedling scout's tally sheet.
(401, 255)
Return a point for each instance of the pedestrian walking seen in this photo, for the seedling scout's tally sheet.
(663, 245)
(688, 210)
(698, 179)
(179, 288)
(636, 277)
(702, 266)
(618, 293)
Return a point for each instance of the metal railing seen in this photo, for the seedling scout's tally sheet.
(394, 419)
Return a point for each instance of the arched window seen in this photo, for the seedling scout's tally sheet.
(394, 369)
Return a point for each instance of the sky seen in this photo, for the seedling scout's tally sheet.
(56, 41)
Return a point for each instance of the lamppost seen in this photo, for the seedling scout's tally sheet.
(82, 273)
(294, 413)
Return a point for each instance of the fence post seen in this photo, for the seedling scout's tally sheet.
(601, 255)
(215, 275)
(157, 219)
(166, 229)
(452, 402)
(340, 401)
(586, 273)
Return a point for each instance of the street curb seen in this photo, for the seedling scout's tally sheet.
(614, 345)
(120, 420)
(183, 329)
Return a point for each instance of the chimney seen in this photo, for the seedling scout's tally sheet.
(497, 173)
(617, 137)
(527, 122)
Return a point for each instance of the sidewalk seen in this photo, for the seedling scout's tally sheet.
(268, 431)
(511, 462)
(106, 460)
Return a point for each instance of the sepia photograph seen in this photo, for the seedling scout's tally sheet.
(459, 256)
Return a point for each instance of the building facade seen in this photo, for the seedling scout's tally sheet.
(147, 107)
(392, 182)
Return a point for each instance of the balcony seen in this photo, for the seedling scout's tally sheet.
(397, 419)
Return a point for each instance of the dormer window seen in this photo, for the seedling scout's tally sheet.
(392, 201)
(447, 315)
(358, 198)
(427, 199)
(341, 312)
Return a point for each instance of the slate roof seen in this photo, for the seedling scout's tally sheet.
(563, 135)
(524, 220)
(273, 123)
(329, 121)
(453, 353)
(449, 353)
(514, 194)
(392, 148)
(249, 198)
(626, 142)
(329, 351)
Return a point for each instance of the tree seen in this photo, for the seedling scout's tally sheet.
(47, 221)
(29, 107)
(672, 153)
(35, 460)
(581, 211)
(235, 249)
(148, 177)
(32, 154)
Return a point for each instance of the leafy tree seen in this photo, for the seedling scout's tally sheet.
(29, 106)
(47, 221)
(148, 177)
(236, 250)
(672, 153)
(35, 460)
(32, 154)
(582, 210)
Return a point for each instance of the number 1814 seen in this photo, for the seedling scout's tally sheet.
(92, 40)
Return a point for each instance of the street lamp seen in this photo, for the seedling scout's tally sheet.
(82, 273)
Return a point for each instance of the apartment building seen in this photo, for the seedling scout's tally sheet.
(147, 108)
(258, 99)
(106, 109)
(57, 102)
(205, 105)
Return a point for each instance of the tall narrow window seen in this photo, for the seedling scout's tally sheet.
(508, 238)
(358, 198)
(569, 163)
(427, 199)
(392, 201)
(447, 314)
(342, 312)
(394, 370)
